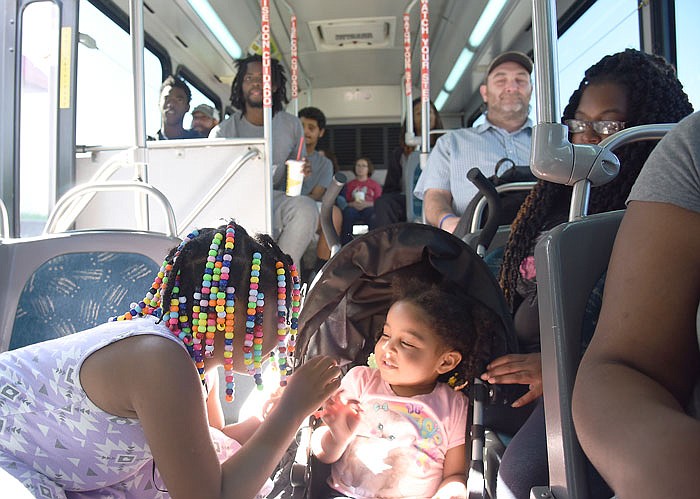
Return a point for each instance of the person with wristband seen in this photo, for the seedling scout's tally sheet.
(443, 185)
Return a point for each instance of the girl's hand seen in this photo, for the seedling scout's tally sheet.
(310, 385)
(342, 417)
(520, 369)
(272, 402)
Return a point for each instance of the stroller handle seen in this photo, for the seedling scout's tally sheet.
(487, 189)
(327, 203)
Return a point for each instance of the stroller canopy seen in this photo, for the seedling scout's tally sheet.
(347, 305)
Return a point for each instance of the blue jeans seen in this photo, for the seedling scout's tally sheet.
(351, 217)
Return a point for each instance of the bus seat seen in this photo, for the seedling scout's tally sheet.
(57, 284)
(411, 172)
(4, 221)
(498, 242)
(570, 261)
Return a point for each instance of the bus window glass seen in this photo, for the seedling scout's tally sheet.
(105, 110)
(687, 41)
(37, 114)
(607, 27)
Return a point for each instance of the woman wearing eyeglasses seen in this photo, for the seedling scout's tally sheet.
(622, 90)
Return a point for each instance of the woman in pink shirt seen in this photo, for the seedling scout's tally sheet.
(360, 193)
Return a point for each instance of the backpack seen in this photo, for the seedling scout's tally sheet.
(510, 201)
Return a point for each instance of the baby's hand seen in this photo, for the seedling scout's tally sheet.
(310, 385)
(341, 416)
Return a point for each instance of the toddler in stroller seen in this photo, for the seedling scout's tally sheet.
(348, 304)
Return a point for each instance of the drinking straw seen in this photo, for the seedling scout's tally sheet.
(301, 144)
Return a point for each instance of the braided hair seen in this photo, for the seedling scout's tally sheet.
(196, 290)
(193, 257)
(654, 95)
(460, 323)
(279, 83)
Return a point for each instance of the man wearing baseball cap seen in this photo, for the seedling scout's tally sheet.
(204, 118)
(443, 185)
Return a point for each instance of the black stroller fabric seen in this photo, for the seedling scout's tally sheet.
(347, 305)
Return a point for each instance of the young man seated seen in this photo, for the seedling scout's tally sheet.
(314, 122)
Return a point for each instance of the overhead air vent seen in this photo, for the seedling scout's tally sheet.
(349, 34)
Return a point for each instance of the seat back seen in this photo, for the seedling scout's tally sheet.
(57, 284)
(411, 172)
(570, 260)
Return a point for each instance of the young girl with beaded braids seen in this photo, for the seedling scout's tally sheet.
(622, 90)
(397, 428)
(92, 414)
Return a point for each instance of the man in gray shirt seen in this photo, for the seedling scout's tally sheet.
(294, 217)
(443, 185)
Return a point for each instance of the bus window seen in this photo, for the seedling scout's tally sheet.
(37, 115)
(687, 41)
(105, 111)
(607, 27)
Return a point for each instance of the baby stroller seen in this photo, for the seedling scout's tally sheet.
(348, 303)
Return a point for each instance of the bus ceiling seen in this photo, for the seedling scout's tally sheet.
(350, 53)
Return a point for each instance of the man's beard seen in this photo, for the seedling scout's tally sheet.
(512, 110)
(253, 104)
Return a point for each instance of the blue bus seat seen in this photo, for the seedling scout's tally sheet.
(57, 284)
(570, 261)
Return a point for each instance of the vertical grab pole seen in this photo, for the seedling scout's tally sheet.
(294, 63)
(294, 60)
(425, 80)
(409, 138)
(267, 109)
(140, 154)
(544, 29)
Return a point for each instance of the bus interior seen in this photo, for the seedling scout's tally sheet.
(80, 95)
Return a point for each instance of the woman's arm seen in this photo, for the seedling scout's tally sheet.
(215, 413)
(643, 361)
(454, 481)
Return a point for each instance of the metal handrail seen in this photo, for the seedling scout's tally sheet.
(327, 203)
(482, 203)
(5, 219)
(237, 164)
(637, 133)
(60, 219)
(103, 174)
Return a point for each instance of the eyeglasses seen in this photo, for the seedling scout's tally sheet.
(602, 127)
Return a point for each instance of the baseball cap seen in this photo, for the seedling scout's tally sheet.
(511, 56)
(208, 110)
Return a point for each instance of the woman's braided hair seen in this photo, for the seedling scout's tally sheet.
(654, 95)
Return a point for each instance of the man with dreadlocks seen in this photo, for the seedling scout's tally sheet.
(622, 90)
(92, 414)
(295, 217)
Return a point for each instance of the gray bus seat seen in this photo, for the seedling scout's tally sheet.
(4, 221)
(499, 240)
(57, 284)
(570, 260)
(414, 206)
